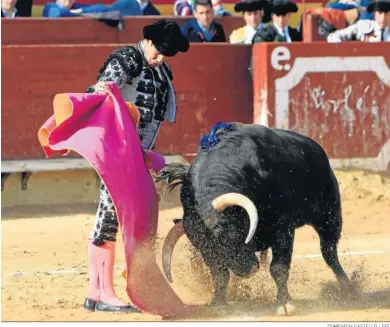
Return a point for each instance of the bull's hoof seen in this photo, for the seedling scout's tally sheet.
(287, 309)
(350, 289)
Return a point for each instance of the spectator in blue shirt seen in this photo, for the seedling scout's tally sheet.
(360, 5)
(61, 8)
(70, 8)
(203, 28)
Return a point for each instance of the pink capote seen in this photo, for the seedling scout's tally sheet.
(100, 128)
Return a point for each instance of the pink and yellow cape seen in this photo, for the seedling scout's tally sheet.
(100, 128)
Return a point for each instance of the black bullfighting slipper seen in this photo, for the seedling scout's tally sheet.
(100, 306)
(89, 304)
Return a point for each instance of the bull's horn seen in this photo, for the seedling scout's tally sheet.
(229, 199)
(170, 241)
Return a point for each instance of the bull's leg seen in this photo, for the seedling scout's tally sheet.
(221, 278)
(329, 253)
(280, 266)
(329, 231)
(328, 226)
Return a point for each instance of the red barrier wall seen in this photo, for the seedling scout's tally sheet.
(212, 83)
(30, 31)
(338, 94)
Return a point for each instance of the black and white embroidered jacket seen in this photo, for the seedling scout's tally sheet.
(147, 87)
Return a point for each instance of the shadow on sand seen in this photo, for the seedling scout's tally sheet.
(169, 200)
(330, 300)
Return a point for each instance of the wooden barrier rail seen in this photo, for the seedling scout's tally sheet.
(338, 94)
(40, 31)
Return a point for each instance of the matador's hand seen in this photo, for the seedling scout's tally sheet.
(101, 88)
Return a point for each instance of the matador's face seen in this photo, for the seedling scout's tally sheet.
(152, 55)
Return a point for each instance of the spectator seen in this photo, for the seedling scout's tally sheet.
(125, 7)
(183, 8)
(367, 30)
(186, 8)
(61, 8)
(279, 30)
(253, 12)
(330, 20)
(219, 11)
(360, 5)
(24, 8)
(8, 9)
(202, 28)
(70, 8)
(147, 8)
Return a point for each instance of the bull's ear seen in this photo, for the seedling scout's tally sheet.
(177, 220)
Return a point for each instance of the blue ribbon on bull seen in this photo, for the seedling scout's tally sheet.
(210, 139)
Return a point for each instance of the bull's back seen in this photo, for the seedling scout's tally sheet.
(269, 152)
(274, 167)
(284, 148)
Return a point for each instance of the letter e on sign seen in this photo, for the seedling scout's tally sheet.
(280, 55)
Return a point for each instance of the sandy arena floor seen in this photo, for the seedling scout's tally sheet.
(44, 265)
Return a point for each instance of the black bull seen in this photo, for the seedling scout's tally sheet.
(248, 193)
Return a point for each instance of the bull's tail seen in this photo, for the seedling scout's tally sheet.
(174, 174)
